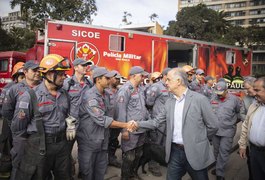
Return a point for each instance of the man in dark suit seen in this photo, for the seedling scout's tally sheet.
(191, 122)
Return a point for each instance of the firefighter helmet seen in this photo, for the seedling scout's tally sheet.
(18, 68)
(54, 62)
(188, 68)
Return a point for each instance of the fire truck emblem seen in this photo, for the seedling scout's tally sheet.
(86, 51)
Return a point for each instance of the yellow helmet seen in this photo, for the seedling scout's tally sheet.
(54, 62)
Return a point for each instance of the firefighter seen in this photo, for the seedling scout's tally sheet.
(93, 132)
(76, 86)
(227, 107)
(207, 88)
(156, 97)
(190, 71)
(130, 104)
(196, 84)
(114, 133)
(5, 132)
(32, 79)
(17, 76)
(42, 115)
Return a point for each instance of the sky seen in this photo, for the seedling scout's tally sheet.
(110, 12)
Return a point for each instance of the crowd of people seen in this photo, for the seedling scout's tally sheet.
(180, 112)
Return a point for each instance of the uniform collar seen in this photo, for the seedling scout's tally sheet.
(44, 91)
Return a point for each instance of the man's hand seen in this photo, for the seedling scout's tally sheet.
(132, 126)
(242, 153)
(70, 130)
(125, 135)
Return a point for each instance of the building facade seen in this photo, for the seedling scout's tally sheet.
(12, 20)
(239, 12)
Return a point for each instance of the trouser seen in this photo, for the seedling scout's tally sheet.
(5, 146)
(17, 153)
(257, 162)
(113, 142)
(72, 160)
(222, 147)
(93, 165)
(178, 165)
(35, 166)
(130, 162)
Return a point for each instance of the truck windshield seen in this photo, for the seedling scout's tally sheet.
(3, 65)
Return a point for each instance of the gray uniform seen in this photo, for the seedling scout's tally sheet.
(54, 110)
(93, 135)
(112, 96)
(3, 94)
(227, 111)
(10, 102)
(130, 105)
(11, 98)
(156, 96)
(195, 86)
(75, 91)
(207, 91)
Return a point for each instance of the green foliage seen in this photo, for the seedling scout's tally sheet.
(18, 39)
(36, 11)
(6, 41)
(199, 22)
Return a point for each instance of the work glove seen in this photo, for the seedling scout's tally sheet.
(70, 130)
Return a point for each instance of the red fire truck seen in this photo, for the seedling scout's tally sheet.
(121, 49)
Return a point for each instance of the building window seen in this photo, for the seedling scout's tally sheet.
(230, 57)
(253, 12)
(117, 43)
(235, 5)
(237, 22)
(237, 13)
(257, 3)
(3, 65)
(215, 7)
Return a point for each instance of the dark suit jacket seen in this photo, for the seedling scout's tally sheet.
(199, 124)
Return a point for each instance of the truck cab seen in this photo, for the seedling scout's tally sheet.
(7, 61)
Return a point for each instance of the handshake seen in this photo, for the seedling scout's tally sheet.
(132, 126)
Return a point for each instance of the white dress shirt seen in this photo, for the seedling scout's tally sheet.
(178, 113)
(257, 130)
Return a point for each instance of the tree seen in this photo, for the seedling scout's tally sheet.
(199, 22)
(23, 38)
(36, 11)
(6, 40)
(125, 18)
(153, 17)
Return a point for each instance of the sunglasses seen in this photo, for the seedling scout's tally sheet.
(84, 65)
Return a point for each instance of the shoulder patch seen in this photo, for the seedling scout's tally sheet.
(92, 102)
(23, 105)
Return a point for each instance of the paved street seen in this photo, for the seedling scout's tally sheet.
(236, 168)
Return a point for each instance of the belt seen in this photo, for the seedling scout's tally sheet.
(54, 138)
(258, 148)
(180, 146)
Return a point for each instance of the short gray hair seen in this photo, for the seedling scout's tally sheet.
(181, 74)
(262, 78)
(249, 80)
